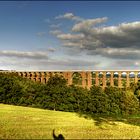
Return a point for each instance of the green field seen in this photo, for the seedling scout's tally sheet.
(18, 122)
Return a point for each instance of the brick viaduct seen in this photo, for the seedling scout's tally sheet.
(87, 78)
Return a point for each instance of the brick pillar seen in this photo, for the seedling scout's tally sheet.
(37, 76)
(112, 79)
(19, 73)
(97, 78)
(65, 75)
(42, 77)
(119, 80)
(127, 79)
(23, 74)
(136, 76)
(104, 80)
(83, 74)
(28, 75)
(48, 75)
(70, 78)
(89, 79)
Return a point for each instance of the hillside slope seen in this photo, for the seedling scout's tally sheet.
(18, 122)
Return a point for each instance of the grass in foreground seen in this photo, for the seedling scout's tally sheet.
(18, 122)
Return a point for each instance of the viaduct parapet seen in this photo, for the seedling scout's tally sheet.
(86, 79)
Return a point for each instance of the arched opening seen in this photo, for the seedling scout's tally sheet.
(123, 80)
(138, 75)
(115, 75)
(108, 74)
(100, 75)
(93, 74)
(30, 74)
(123, 75)
(45, 74)
(131, 75)
(132, 78)
(100, 78)
(77, 78)
(39, 79)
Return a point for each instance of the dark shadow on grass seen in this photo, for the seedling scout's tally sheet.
(112, 119)
(59, 137)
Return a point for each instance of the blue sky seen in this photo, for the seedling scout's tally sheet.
(69, 35)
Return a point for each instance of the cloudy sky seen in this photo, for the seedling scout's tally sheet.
(70, 35)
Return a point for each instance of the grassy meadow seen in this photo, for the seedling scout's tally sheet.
(18, 122)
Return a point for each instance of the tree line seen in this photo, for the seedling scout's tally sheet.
(56, 95)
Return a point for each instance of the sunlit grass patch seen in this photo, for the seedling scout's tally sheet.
(18, 122)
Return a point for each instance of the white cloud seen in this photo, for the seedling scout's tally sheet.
(72, 44)
(91, 36)
(69, 16)
(124, 65)
(121, 36)
(87, 24)
(121, 53)
(70, 36)
(14, 63)
(26, 55)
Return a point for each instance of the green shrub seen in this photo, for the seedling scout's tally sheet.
(56, 95)
(97, 101)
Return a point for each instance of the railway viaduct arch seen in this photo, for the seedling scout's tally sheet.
(118, 78)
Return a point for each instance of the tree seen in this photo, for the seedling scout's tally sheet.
(56, 88)
(10, 90)
(114, 96)
(77, 98)
(129, 104)
(97, 101)
(57, 81)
